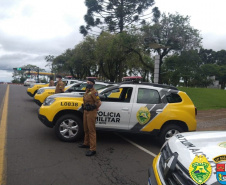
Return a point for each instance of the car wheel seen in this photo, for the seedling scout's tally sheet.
(69, 128)
(168, 131)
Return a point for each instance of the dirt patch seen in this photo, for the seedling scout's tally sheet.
(211, 119)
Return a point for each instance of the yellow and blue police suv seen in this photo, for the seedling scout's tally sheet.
(191, 158)
(138, 108)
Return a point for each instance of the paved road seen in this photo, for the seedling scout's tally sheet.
(2, 94)
(36, 157)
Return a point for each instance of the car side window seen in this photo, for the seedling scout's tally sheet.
(173, 98)
(118, 95)
(148, 96)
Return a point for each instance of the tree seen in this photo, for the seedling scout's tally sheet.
(171, 33)
(184, 66)
(220, 57)
(111, 56)
(79, 62)
(208, 56)
(84, 60)
(61, 63)
(121, 53)
(49, 59)
(115, 15)
(205, 72)
(222, 76)
(170, 70)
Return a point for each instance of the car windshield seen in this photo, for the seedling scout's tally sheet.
(99, 86)
(96, 86)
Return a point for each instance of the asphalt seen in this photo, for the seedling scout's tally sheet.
(36, 157)
(2, 94)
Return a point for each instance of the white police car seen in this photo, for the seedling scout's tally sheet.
(190, 159)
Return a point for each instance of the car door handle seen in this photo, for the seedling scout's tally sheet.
(159, 111)
(125, 109)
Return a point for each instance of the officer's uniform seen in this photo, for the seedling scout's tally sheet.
(59, 87)
(91, 102)
(51, 83)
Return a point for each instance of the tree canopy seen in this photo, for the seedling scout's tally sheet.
(126, 41)
(115, 15)
(172, 33)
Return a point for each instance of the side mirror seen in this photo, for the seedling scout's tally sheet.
(102, 97)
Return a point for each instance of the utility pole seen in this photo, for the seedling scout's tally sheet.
(156, 71)
(38, 75)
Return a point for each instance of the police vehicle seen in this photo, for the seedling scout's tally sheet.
(29, 82)
(191, 159)
(32, 90)
(44, 92)
(79, 86)
(137, 108)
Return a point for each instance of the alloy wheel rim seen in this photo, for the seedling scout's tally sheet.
(171, 133)
(68, 128)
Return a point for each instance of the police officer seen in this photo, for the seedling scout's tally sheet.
(60, 85)
(91, 106)
(51, 82)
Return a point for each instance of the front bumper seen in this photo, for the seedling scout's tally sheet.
(45, 121)
(151, 177)
(37, 102)
(30, 94)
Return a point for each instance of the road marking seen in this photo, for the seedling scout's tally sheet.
(3, 133)
(138, 146)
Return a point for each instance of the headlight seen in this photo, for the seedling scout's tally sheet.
(48, 101)
(40, 91)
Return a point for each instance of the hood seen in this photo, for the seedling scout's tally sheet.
(74, 94)
(209, 143)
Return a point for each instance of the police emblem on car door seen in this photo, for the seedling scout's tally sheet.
(147, 107)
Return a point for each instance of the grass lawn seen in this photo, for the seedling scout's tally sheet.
(205, 98)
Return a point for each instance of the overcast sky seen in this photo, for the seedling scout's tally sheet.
(33, 29)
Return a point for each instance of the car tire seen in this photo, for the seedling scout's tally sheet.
(69, 128)
(168, 131)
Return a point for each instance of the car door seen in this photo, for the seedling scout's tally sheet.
(115, 110)
(146, 109)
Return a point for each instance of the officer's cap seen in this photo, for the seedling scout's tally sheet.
(91, 80)
(58, 76)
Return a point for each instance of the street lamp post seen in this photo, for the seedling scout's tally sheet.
(156, 70)
(157, 60)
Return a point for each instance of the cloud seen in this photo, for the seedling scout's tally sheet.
(214, 41)
(5, 76)
(17, 51)
(31, 30)
(205, 15)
